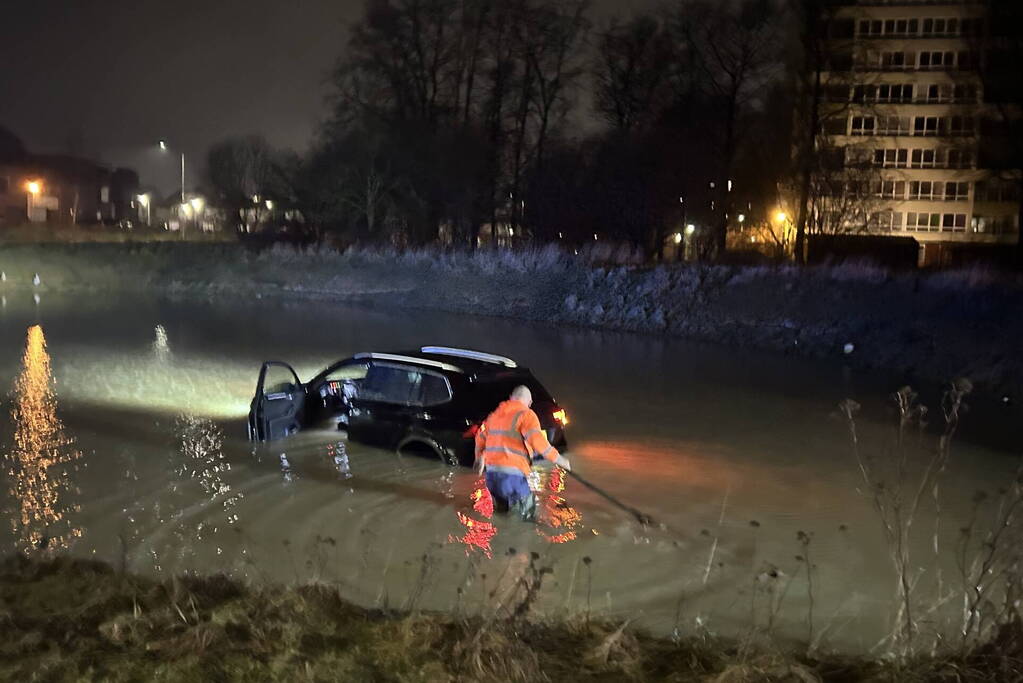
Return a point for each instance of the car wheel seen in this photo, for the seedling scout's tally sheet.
(423, 446)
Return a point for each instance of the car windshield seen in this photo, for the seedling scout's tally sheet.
(490, 392)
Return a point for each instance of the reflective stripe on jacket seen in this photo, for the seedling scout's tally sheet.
(511, 437)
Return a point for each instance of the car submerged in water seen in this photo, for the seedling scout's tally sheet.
(432, 400)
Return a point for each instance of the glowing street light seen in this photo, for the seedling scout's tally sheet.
(781, 217)
(690, 229)
(742, 218)
(197, 204)
(164, 148)
(269, 205)
(144, 203)
(678, 238)
(33, 188)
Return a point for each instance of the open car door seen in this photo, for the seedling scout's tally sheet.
(277, 408)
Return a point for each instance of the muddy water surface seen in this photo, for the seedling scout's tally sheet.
(123, 438)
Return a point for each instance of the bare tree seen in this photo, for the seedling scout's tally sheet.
(369, 189)
(467, 94)
(736, 49)
(239, 169)
(554, 58)
(812, 16)
(632, 73)
(1000, 52)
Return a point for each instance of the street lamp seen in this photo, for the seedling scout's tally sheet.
(33, 189)
(144, 202)
(197, 204)
(164, 148)
(781, 217)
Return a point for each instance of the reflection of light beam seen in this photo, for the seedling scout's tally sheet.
(477, 535)
(170, 383)
(38, 484)
(482, 502)
(202, 447)
(556, 513)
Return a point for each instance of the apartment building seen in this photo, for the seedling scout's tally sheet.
(906, 121)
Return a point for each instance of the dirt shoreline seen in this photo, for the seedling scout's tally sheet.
(67, 619)
(931, 326)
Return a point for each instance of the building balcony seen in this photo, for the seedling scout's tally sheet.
(900, 3)
(962, 235)
(949, 39)
(906, 137)
(911, 68)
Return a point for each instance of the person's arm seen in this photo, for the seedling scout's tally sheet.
(536, 440)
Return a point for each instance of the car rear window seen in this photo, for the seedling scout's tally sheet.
(435, 390)
(490, 392)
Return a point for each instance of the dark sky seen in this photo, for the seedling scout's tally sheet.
(108, 78)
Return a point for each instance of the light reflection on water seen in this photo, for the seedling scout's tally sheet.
(203, 461)
(556, 522)
(43, 457)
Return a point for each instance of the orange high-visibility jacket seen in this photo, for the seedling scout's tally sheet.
(509, 438)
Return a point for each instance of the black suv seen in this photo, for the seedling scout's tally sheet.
(433, 400)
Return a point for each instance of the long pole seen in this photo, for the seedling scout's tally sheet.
(644, 519)
(184, 218)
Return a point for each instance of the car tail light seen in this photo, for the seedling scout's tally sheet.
(472, 431)
(561, 417)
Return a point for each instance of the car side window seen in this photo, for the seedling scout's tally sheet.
(278, 380)
(435, 390)
(348, 372)
(391, 384)
(344, 380)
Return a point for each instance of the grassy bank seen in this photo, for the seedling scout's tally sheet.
(76, 620)
(923, 325)
(55, 233)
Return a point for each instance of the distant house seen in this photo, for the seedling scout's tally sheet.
(196, 213)
(62, 189)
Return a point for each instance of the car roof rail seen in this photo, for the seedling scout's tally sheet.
(472, 355)
(411, 360)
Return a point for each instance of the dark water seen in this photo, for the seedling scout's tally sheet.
(123, 437)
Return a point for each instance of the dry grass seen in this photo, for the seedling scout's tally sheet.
(76, 620)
